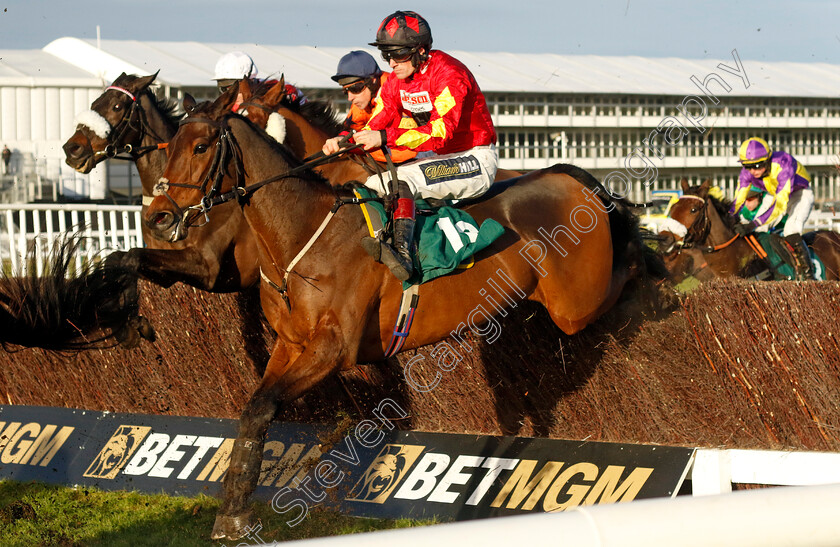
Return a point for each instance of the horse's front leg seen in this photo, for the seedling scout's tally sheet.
(285, 379)
(165, 267)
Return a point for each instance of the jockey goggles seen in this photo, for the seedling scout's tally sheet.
(398, 55)
(754, 165)
(355, 88)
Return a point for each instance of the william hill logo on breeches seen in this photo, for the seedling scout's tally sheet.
(399, 473)
(451, 169)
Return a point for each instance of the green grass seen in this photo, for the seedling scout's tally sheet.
(41, 514)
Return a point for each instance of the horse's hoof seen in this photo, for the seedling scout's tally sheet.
(128, 337)
(231, 527)
(145, 328)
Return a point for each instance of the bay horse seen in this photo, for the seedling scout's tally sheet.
(70, 308)
(566, 245)
(711, 230)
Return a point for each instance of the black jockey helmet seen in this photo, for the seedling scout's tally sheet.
(403, 29)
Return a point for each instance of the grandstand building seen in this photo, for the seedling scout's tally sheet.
(639, 124)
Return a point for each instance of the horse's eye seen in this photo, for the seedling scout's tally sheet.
(200, 148)
(694, 209)
(117, 107)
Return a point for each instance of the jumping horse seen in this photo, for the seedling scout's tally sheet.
(567, 245)
(711, 230)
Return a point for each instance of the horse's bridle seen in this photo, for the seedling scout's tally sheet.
(126, 124)
(699, 230)
(226, 149)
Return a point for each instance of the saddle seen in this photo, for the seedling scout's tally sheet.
(780, 258)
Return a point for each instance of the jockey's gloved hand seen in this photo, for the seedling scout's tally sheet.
(744, 229)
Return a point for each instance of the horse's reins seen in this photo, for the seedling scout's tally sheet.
(226, 148)
(112, 151)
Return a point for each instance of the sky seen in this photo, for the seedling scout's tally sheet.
(771, 30)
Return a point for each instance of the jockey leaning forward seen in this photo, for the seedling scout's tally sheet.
(431, 105)
(788, 182)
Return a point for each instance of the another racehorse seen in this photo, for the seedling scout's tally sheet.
(710, 229)
(566, 245)
(68, 308)
(129, 119)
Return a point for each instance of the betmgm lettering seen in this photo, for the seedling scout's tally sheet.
(31, 444)
(399, 472)
(327, 473)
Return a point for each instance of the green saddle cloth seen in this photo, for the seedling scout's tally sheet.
(779, 267)
(445, 238)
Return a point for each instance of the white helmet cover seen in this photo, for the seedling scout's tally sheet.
(235, 66)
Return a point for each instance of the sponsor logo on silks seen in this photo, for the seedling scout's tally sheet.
(416, 102)
(31, 444)
(451, 169)
(114, 455)
(385, 473)
(507, 483)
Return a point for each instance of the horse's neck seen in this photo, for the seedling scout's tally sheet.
(719, 232)
(734, 256)
(158, 128)
(291, 208)
(302, 137)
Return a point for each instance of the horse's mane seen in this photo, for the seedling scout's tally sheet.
(66, 308)
(207, 109)
(169, 107)
(318, 112)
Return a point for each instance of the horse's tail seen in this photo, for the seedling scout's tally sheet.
(636, 266)
(68, 308)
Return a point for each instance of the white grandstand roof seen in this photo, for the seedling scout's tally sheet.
(190, 64)
(34, 67)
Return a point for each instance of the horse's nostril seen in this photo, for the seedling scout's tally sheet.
(161, 219)
(73, 150)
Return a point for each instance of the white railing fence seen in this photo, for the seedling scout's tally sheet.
(28, 232)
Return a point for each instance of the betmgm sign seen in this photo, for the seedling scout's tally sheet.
(373, 470)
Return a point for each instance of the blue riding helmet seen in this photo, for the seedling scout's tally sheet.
(356, 65)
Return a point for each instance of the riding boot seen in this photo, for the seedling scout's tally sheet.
(804, 267)
(397, 255)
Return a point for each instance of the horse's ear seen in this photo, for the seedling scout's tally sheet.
(227, 99)
(143, 82)
(275, 95)
(704, 188)
(684, 185)
(245, 89)
(189, 103)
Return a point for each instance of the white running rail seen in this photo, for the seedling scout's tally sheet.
(28, 231)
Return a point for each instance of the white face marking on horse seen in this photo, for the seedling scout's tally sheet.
(276, 127)
(95, 122)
